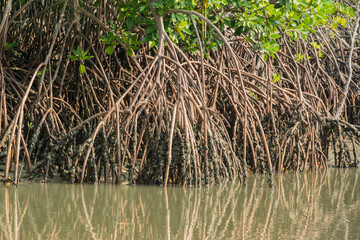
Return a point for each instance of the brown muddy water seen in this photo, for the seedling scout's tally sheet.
(322, 205)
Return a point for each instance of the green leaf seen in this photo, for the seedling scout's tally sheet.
(110, 50)
(240, 30)
(320, 54)
(151, 44)
(72, 57)
(104, 39)
(275, 36)
(129, 52)
(248, 5)
(274, 23)
(150, 29)
(79, 51)
(111, 35)
(129, 22)
(82, 69)
(14, 44)
(183, 24)
(187, 31)
(266, 57)
(156, 5)
(84, 54)
(145, 39)
(181, 34)
(87, 57)
(276, 78)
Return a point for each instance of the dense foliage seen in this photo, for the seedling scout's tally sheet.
(260, 21)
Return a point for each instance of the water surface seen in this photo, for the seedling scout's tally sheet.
(322, 205)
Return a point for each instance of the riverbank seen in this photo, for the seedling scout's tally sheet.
(56, 178)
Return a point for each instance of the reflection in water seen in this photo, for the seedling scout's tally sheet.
(323, 205)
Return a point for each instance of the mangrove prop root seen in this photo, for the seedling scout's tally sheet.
(167, 116)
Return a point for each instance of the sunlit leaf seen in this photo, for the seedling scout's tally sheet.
(151, 44)
(110, 50)
(274, 36)
(82, 69)
(72, 57)
(129, 52)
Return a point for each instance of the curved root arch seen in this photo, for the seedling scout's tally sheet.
(171, 116)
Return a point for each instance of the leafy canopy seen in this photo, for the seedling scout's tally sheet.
(262, 22)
